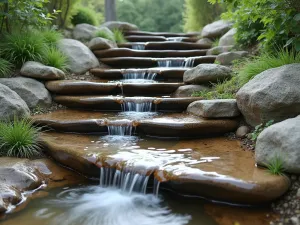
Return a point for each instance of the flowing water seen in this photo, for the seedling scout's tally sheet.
(176, 62)
(138, 46)
(175, 39)
(137, 104)
(139, 75)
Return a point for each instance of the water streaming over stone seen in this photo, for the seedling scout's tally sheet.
(176, 62)
(141, 104)
(139, 75)
(138, 46)
(120, 128)
(175, 39)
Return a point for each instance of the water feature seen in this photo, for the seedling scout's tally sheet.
(120, 127)
(138, 46)
(137, 104)
(134, 74)
(176, 62)
(175, 39)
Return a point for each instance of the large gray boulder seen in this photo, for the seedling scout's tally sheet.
(39, 71)
(228, 38)
(31, 91)
(205, 41)
(124, 26)
(216, 29)
(84, 31)
(280, 141)
(218, 108)
(11, 104)
(98, 43)
(205, 73)
(271, 95)
(80, 57)
(227, 58)
(188, 90)
(219, 50)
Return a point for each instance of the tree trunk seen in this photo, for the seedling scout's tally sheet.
(110, 10)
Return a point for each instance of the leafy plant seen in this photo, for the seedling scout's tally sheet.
(19, 48)
(119, 36)
(19, 139)
(275, 166)
(51, 36)
(5, 68)
(55, 58)
(103, 34)
(256, 65)
(84, 15)
(259, 128)
(216, 42)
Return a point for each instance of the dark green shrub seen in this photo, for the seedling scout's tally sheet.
(5, 68)
(84, 15)
(19, 138)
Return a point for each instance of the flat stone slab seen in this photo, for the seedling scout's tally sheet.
(75, 87)
(145, 62)
(163, 73)
(111, 103)
(152, 38)
(215, 168)
(125, 52)
(164, 34)
(165, 125)
(175, 45)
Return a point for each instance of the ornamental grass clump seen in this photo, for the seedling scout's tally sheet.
(119, 36)
(5, 68)
(19, 138)
(51, 36)
(275, 166)
(105, 35)
(55, 58)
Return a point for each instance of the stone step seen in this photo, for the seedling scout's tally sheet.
(165, 125)
(114, 103)
(143, 62)
(125, 52)
(166, 45)
(147, 38)
(214, 168)
(76, 87)
(164, 34)
(163, 73)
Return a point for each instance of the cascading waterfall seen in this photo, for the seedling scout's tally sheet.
(129, 75)
(120, 128)
(175, 39)
(189, 62)
(137, 105)
(127, 181)
(138, 46)
(175, 62)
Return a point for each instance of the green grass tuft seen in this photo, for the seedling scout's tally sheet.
(51, 36)
(275, 166)
(5, 68)
(84, 15)
(257, 65)
(55, 58)
(119, 36)
(103, 34)
(19, 48)
(19, 138)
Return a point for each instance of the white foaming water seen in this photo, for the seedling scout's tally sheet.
(108, 206)
(120, 130)
(175, 39)
(176, 62)
(138, 46)
(139, 75)
(138, 115)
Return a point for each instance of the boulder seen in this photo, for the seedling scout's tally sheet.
(188, 90)
(11, 104)
(98, 43)
(205, 73)
(242, 131)
(218, 108)
(107, 31)
(31, 91)
(228, 38)
(84, 31)
(219, 50)
(205, 41)
(271, 95)
(81, 59)
(124, 26)
(280, 141)
(216, 29)
(227, 58)
(39, 71)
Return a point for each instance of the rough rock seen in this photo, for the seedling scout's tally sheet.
(280, 140)
(218, 108)
(39, 71)
(228, 38)
(216, 29)
(271, 95)
(205, 73)
(31, 91)
(98, 43)
(205, 41)
(242, 131)
(227, 58)
(188, 90)
(219, 49)
(81, 59)
(11, 104)
(124, 26)
(84, 31)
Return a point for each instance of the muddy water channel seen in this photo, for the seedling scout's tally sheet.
(136, 198)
